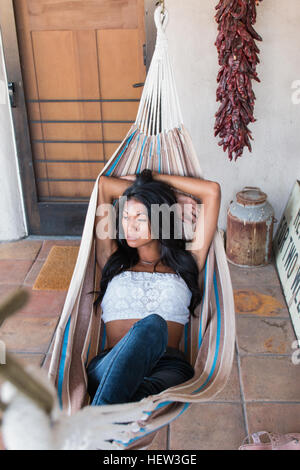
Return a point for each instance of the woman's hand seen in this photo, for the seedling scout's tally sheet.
(133, 177)
(187, 207)
(128, 177)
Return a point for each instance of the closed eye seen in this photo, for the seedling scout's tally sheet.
(140, 220)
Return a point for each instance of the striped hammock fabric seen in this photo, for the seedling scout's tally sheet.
(157, 140)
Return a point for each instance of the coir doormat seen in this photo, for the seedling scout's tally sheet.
(56, 273)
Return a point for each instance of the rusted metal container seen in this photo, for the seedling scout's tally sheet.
(250, 221)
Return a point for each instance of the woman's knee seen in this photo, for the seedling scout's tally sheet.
(154, 325)
(155, 321)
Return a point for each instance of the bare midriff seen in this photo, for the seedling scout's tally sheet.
(116, 329)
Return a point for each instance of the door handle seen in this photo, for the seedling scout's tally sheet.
(12, 94)
(136, 85)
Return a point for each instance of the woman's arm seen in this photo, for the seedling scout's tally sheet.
(209, 192)
(113, 187)
(198, 187)
(109, 189)
(206, 225)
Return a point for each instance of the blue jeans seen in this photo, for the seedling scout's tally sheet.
(140, 364)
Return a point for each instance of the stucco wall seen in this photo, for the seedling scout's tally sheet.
(12, 220)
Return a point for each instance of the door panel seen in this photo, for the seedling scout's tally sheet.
(79, 62)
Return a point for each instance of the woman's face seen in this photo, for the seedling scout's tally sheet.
(135, 223)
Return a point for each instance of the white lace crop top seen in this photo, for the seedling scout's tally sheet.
(136, 294)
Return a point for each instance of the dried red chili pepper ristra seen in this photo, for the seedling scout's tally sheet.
(237, 56)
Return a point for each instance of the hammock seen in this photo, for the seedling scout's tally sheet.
(157, 140)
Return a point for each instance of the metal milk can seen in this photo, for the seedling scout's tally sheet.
(250, 221)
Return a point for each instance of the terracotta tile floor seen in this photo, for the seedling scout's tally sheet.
(263, 392)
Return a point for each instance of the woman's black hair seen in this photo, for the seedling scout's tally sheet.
(149, 191)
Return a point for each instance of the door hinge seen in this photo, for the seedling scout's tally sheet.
(144, 54)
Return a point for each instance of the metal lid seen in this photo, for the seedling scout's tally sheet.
(251, 195)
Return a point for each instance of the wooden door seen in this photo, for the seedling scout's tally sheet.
(80, 61)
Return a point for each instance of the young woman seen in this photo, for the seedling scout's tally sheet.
(149, 285)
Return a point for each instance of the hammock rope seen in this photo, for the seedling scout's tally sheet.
(157, 140)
